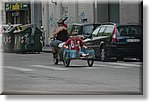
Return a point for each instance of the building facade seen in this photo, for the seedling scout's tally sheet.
(17, 12)
(21, 12)
(47, 13)
(97, 11)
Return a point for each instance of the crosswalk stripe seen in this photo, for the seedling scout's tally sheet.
(49, 67)
(17, 68)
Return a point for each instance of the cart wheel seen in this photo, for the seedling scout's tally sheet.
(55, 60)
(66, 62)
(90, 62)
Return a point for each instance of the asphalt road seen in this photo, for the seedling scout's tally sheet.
(36, 74)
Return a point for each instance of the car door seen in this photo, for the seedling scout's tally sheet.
(98, 40)
(95, 40)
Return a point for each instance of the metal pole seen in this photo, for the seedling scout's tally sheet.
(32, 11)
(95, 11)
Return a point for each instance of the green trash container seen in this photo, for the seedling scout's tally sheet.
(27, 39)
(8, 40)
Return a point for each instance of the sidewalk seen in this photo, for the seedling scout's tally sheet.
(47, 49)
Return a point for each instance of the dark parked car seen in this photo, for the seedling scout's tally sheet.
(84, 29)
(123, 41)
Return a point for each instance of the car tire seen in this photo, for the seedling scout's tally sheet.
(120, 58)
(103, 54)
(141, 59)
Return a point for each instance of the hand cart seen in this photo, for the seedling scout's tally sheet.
(69, 55)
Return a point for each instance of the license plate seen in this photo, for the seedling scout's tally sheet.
(133, 40)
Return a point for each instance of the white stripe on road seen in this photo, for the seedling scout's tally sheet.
(118, 65)
(17, 68)
(49, 67)
(126, 64)
(109, 66)
(106, 65)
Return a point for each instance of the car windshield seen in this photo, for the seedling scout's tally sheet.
(87, 30)
(129, 30)
(76, 28)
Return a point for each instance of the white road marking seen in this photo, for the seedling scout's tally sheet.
(17, 68)
(118, 65)
(126, 64)
(108, 65)
(49, 67)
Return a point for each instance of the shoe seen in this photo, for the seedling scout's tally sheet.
(87, 54)
(84, 55)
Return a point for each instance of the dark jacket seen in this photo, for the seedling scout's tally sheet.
(63, 36)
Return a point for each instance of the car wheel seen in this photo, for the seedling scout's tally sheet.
(104, 56)
(120, 58)
(141, 59)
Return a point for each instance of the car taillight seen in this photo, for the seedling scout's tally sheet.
(114, 37)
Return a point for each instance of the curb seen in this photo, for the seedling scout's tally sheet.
(47, 51)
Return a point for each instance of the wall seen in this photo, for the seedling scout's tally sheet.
(1, 13)
(102, 12)
(85, 11)
(54, 16)
(36, 13)
(75, 11)
(70, 11)
(129, 12)
(94, 12)
(45, 20)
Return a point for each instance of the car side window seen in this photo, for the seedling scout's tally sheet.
(87, 30)
(108, 31)
(94, 34)
(133, 30)
(129, 30)
(123, 31)
(100, 33)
